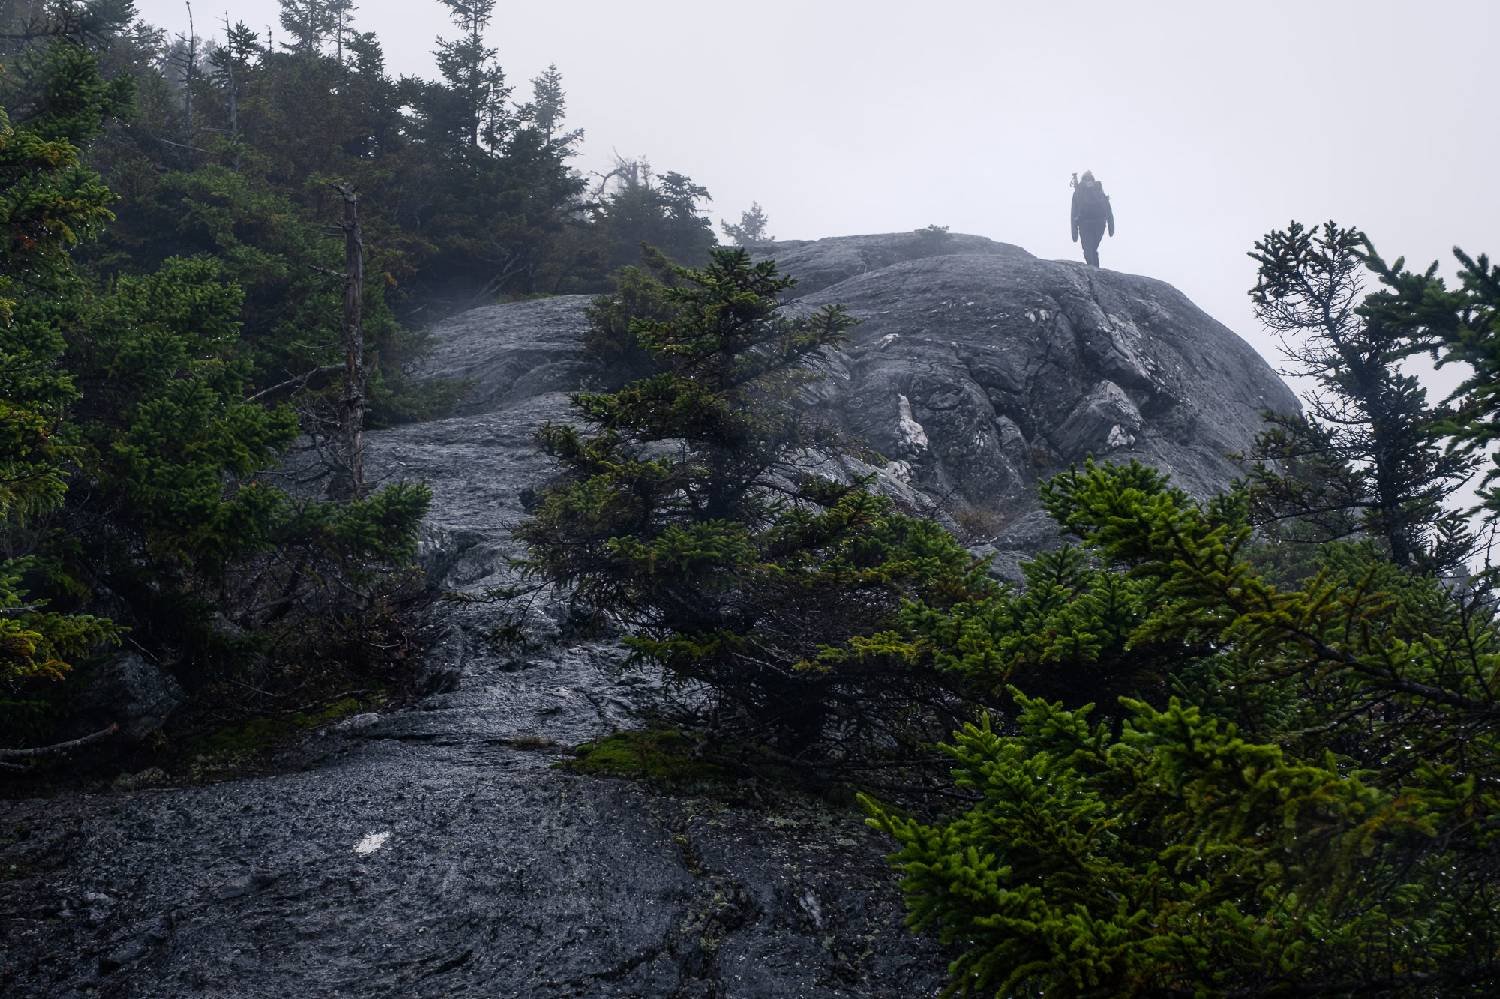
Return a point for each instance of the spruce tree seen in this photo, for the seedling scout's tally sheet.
(49, 202)
(309, 23)
(475, 82)
(1314, 812)
(549, 106)
(750, 232)
(1368, 451)
(662, 211)
(690, 516)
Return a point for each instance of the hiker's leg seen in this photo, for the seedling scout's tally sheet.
(1090, 234)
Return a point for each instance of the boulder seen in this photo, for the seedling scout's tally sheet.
(130, 691)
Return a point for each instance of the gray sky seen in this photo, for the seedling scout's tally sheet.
(1208, 123)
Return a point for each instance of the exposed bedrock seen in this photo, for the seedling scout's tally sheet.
(436, 851)
(977, 370)
(986, 371)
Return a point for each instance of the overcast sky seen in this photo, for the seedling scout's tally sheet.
(1208, 123)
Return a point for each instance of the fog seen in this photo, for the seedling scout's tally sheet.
(1207, 123)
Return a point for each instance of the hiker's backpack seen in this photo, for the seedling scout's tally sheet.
(1092, 201)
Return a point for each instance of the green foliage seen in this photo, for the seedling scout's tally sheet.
(932, 238)
(474, 107)
(1315, 813)
(1367, 458)
(468, 191)
(308, 22)
(750, 232)
(687, 515)
(286, 265)
(164, 417)
(1066, 631)
(167, 511)
(132, 442)
(646, 209)
(231, 749)
(377, 530)
(1174, 856)
(49, 202)
(639, 295)
(1459, 325)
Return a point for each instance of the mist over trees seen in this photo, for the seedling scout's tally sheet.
(174, 305)
(1242, 744)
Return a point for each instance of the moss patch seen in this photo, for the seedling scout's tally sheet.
(240, 743)
(700, 765)
(663, 755)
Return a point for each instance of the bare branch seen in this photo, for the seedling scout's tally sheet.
(58, 748)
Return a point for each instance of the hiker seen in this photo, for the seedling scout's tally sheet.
(1091, 214)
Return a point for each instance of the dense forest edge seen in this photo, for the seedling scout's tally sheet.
(1241, 745)
(174, 288)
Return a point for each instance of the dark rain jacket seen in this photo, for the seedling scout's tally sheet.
(1091, 204)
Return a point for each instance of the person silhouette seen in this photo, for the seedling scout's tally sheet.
(1092, 214)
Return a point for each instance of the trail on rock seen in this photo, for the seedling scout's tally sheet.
(435, 851)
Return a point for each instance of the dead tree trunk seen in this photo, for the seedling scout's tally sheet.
(232, 95)
(189, 78)
(352, 409)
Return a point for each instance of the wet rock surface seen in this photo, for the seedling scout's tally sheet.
(436, 850)
(985, 370)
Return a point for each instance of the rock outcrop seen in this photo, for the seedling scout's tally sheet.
(436, 851)
(984, 369)
(977, 370)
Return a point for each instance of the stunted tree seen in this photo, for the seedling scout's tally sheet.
(637, 206)
(686, 516)
(750, 231)
(1367, 457)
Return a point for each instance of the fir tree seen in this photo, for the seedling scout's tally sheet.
(49, 202)
(1330, 832)
(130, 477)
(1367, 453)
(750, 231)
(689, 516)
(1460, 325)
